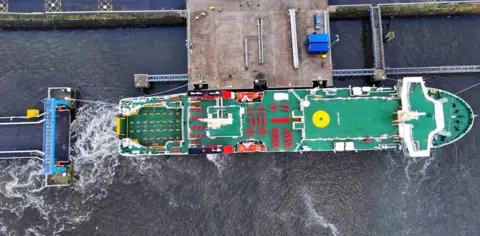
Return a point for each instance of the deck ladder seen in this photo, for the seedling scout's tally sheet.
(49, 137)
(49, 131)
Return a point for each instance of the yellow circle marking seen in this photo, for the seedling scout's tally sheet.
(321, 119)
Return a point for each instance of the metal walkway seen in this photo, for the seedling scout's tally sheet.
(377, 36)
(46, 136)
(410, 71)
(20, 137)
(50, 136)
(353, 72)
(433, 70)
(167, 78)
(357, 72)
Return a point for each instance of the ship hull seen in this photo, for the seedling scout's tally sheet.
(411, 118)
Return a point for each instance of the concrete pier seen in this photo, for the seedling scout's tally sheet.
(141, 81)
(90, 20)
(431, 9)
(217, 49)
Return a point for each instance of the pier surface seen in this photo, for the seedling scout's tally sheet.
(217, 44)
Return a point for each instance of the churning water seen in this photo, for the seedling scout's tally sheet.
(94, 154)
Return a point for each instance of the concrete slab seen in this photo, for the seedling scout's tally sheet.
(217, 55)
(256, 5)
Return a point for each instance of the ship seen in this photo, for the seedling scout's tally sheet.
(408, 117)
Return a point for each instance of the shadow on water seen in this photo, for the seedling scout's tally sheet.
(355, 48)
(373, 2)
(93, 5)
(100, 64)
(421, 42)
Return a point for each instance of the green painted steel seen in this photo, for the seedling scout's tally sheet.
(425, 124)
(154, 126)
(368, 117)
(290, 120)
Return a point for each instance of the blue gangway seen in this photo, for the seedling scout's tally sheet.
(49, 137)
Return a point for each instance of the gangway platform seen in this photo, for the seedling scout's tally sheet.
(20, 134)
(44, 136)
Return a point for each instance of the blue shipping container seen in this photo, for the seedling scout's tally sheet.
(318, 38)
(318, 47)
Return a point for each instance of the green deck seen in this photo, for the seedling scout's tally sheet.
(458, 117)
(425, 124)
(155, 126)
(230, 130)
(311, 120)
(366, 117)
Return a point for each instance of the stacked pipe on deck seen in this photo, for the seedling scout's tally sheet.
(275, 141)
(274, 107)
(250, 132)
(257, 120)
(196, 130)
(287, 138)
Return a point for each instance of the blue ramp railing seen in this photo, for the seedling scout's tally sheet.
(49, 130)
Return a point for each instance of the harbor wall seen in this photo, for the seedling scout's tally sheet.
(430, 9)
(406, 10)
(346, 12)
(89, 20)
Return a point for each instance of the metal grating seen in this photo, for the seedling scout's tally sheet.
(380, 36)
(3, 5)
(410, 70)
(353, 72)
(376, 24)
(53, 5)
(49, 137)
(105, 5)
(167, 78)
(433, 70)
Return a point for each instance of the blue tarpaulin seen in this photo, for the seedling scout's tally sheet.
(318, 38)
(318, 47)
(318, 43)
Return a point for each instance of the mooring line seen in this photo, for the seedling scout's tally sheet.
(468, 88)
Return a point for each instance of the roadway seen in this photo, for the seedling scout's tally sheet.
(29, 136)
(21, 137)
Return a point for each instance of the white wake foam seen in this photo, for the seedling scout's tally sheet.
(314, 218)
(94, 151)
(219, 160)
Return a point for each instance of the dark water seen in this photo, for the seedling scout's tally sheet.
(374, 2)
(92, 5)
(368, 193)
